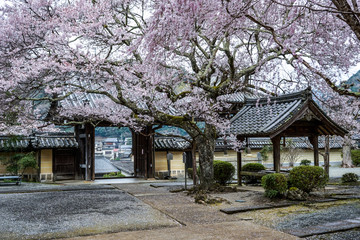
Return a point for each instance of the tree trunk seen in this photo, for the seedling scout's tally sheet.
(206, 147)
(346, 162)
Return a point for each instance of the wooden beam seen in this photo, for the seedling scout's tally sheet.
(314, 140)
(276, 153)
(239, 167)
(316, 150)
(327, 154)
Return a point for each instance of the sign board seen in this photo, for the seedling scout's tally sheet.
(169, 156)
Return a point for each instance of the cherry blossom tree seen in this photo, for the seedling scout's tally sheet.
(345, 110)
(171, 62)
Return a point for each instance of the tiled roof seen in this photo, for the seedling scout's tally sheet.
(265, 116)
(168, 143)
(56, 142)
(103, 165)
(299, 142)
(126, 166)
(38, 141)
(14, 143)
(238, 97)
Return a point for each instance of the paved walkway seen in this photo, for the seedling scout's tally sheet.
(196, 221)
(225, 230)
(80, 205)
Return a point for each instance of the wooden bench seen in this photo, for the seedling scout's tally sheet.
(16, 179)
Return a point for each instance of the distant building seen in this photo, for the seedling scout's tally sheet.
(110, 143)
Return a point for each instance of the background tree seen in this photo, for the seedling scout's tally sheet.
(291, 152)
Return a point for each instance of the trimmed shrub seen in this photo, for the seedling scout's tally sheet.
(308, 178)
(305, 162)
(113, 175)
(349, 178)
(271, 193)
(355, 156)
(253, 167)
(19, 163)
(223, 172)
(272, 183)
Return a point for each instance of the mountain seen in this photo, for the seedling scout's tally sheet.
(353, 83)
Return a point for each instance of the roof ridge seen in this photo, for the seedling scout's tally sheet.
(303, 95)
(280, 116)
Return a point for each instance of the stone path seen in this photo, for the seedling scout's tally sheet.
(197, 221)
(218, 231)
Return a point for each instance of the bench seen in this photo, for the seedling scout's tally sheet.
(16, 179)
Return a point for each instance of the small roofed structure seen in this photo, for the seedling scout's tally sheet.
(55, 153)
(288, 115)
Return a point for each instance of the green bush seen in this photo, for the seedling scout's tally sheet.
(349, 178)
(253, 167)
(19, 163)
(113, 175)
(274, 182)
(271, 193)
(190, 172)
(305, 162)
(308, 178)
(355, 156)
(223, 172)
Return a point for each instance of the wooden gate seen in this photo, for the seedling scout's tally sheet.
(64, 164)
(143, 154)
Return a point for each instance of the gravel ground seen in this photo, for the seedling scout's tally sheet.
(337, 171)
(307, 215)
(57, 214)
(331, 214)
(321, 216)
(347, 235)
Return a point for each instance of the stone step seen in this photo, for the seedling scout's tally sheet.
(233, 210)
(329, 227)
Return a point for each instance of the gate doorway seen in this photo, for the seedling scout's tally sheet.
(113, 152)
(64, 166)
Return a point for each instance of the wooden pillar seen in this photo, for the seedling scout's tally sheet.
(193, 153)
(314, 140)
(90, 152)
(150, 152)
(239, 160)
(327, 154)
(239, 167)
(276, 153)
(135, 151)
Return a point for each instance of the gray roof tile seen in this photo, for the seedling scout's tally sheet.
(264, 116)
(38, 141)
(168, 143)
